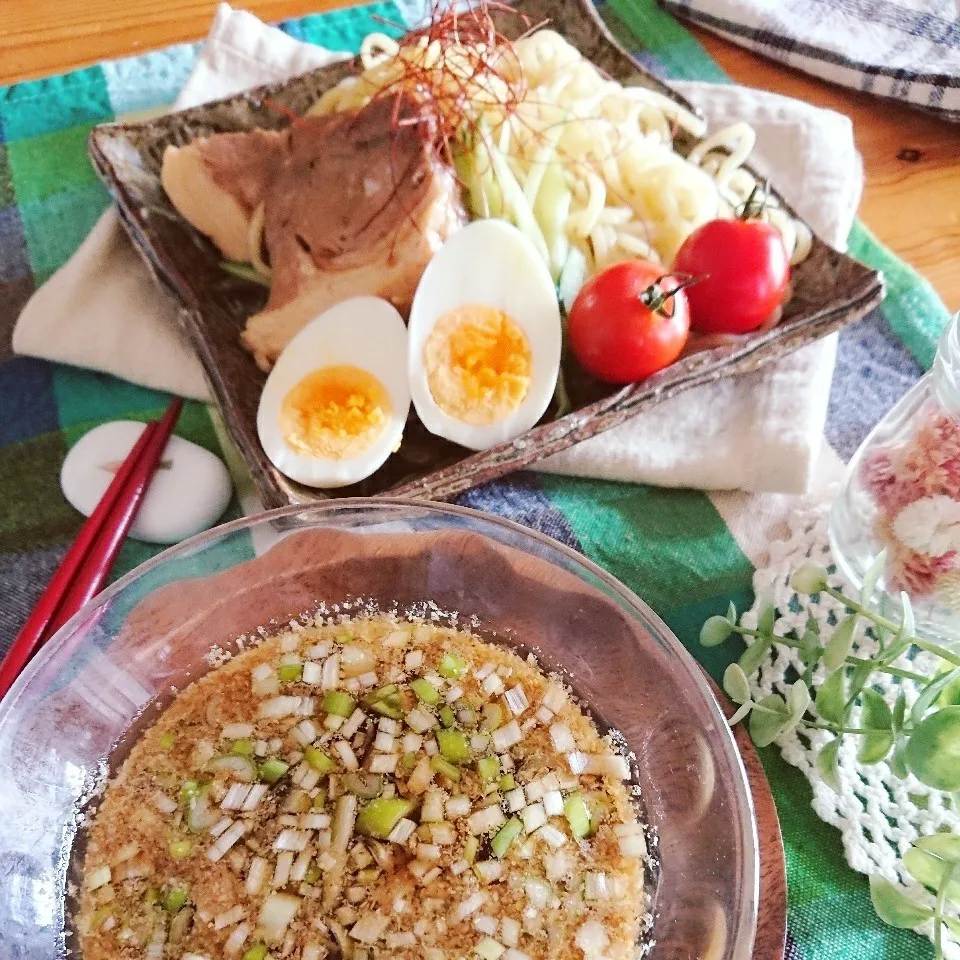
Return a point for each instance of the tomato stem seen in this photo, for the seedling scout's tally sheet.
(755, 205)
(655, 298)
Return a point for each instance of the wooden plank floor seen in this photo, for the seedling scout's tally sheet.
(912, 161)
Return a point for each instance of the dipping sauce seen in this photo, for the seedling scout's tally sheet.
(367, 787)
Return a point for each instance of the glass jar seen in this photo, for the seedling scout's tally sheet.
(901, 494)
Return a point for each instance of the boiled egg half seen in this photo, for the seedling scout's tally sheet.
(334, 406)
(484, 337)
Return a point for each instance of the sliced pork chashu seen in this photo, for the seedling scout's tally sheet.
(216, 183)
(354, 203)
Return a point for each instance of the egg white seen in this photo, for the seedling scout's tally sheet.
(364, 332)
(491, 263)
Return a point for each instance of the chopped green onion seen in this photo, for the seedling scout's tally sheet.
(320, 800)
(488, 949)
(598, 806)
(240, 768)
(507, 782)
(488, 768)
(200, 815)
(257, 952)
(101, 916)
(297, 801)
(425, 690)
(381, 693)
(290, 672)
(454, 746)
(365, 785)
(408, 761)
(151, 897)
(380, 816)
(578, 815)
(492, 716)
(446, 716)
(188, 791)
(444, 766)
(243, 748)
(180, 849)
(452, 666)
(272, 769)
(505, 836)
(313, 874)
(343, 635)
(466, 714)
(176, 897)
(168, 740)
(339, 703)
(318, 759)
(388, 707)
(368, 876)
(470, 849)
(385, 701)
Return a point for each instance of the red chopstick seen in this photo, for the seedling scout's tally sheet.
(86, 565)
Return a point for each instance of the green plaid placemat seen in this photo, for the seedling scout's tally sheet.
(672, 547)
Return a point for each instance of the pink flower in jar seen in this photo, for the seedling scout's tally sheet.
(933, 460)
(918, 574)
(891, 487)
(950, 470)
(934, 474)
(879, 476)
(929, 526)
(924, 541)
(940, 435)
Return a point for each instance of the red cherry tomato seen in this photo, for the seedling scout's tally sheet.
(745, 270)
(624, 325)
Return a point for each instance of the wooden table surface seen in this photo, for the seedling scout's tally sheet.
(912, 161)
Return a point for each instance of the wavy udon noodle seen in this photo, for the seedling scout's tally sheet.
(580, 163)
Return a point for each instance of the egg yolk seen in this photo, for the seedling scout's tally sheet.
(335, 412)
(478, 364)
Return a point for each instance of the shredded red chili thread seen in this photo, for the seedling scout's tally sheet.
(442, 96)
(295, 118)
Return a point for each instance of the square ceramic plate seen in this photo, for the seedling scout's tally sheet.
(829, 288)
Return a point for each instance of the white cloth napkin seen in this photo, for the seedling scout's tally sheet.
(903, 49)
(760, 432)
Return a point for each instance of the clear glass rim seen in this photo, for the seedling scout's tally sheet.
(749, 906)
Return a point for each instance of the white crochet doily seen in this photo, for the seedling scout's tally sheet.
(878, 815)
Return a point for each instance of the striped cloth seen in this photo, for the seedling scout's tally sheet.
(907, 50)
(687, 553)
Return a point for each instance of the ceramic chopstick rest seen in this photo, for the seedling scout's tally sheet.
(188, 493)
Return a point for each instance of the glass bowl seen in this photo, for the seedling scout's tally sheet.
(73, 714)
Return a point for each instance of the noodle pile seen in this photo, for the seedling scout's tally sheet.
(584, 166)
